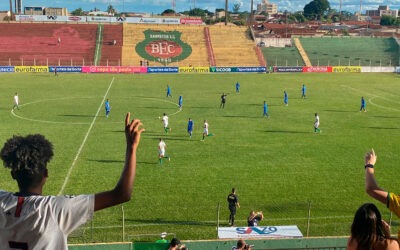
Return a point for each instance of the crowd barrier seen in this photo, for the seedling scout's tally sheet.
(194, 70)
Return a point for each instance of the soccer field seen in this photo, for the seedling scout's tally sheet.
(278, 165)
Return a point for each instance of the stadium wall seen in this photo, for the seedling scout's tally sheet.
(299, 243)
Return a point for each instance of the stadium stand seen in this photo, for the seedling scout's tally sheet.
(233, 46)
(303, 54)
(356, 51)
(112, 44)
(27, 44)
(192, 35)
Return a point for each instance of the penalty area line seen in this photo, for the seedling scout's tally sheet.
(84, 140)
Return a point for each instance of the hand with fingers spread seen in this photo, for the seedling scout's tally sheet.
(370, 158)
(133, 131)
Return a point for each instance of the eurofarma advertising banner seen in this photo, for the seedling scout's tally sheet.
(291, 231)
(346, 69)
(194, 70)
(31, 69)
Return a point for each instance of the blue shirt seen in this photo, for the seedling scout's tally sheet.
(190, 125)
(237, 86)
(362, 102)
(107, 104)
(180, 100)
(303, 89)
(265, 108)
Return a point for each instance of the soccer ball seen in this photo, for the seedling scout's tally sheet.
(159, 118)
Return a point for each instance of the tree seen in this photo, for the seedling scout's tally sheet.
(236, 7)
(315, 9)
(111, 10)
(77, 12)
(388, 20)
(168, 12)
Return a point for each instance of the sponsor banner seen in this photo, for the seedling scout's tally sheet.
(188, 20)
(398, 70)
(194, 70)
(251, 69)
(346, 69)
(113, 69)
(151, 20)
(162, 69)
(237, 69)
(378, 69)
(31, 69)
(5, 69)
(66, 69)
(288, 69)
(321, 69)
(100, 19)
(25, 18)
(291, 231)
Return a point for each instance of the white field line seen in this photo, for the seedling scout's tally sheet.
(374, 97)
(84, 140)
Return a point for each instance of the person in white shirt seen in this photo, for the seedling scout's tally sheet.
(205, 129)
(16, 101)
(316, 124)
(161, 151)
(29, 220)
(165, 123)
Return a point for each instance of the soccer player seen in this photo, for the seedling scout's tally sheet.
(237, 87)
(29, 220)
(363, 104)
(223, 100)
(16, 101)
(316, 124)
(303, 91)
(180, 100)
(190, 127)
(161, 151)
(165, 123)
(233, 202)
(205, 129)
(265, 110)
(285, 98)
(107, 107)
(169, 91)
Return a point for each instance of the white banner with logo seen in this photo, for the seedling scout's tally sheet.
(291, 231)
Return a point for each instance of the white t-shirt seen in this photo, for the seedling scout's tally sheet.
(41, 222)
(205, 131)
(165, 121)
(316, 124)
(161, 148)
(16, 99)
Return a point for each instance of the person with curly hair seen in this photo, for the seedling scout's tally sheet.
(30, 220)
(369, 231)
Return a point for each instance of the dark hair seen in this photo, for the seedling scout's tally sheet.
(367, 228)
(240, 243)
(174, 242)
(27, 157)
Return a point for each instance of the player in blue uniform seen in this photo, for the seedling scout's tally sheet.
(190, 127)
(265, 110)
(180, 102)
(303, 91)
(169, 91)
(237, 87)
(363, 104)
(107, 107)
(285, 98)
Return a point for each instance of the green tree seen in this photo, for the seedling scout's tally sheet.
(77, 12)
(236, 7)
(111, 10)
(168, 12)
(198, 12)
(315, 9)
(388, 20)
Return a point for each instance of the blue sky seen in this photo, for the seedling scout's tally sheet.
(158, 6)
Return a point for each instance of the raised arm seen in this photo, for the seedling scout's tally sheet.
(371, 186)
(123, 190)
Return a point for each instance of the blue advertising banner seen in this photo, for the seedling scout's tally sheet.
(237, 69)
(288, 69)
(66, 69)
(162, 69)
(7, 69)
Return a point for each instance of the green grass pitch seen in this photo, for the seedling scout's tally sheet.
(278, 165)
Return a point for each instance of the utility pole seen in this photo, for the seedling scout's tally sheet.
(251, 13)
(226, 12)
(11, 12)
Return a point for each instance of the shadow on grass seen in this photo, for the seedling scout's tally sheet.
(107, 161)
(92, 116)
(172, 222)
(388, 117)
(288, 131)
(340, 111)
(147, 163)
(382, 128)
(242, 116)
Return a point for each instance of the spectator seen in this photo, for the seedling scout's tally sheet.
(176, 245)
(162, 238)
(391, 200)
(44, 222)
(369, 231)
(241, 245)
(254, 218)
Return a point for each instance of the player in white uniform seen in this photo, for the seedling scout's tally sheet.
(16, 101)
(161, 151)
(29, 220)
(165, 123)
(316, 124)
(205, 129)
